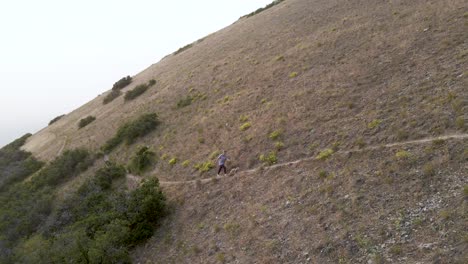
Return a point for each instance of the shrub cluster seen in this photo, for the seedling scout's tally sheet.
(122, 83)
(264, 8)
(185, 101)
(139, 90)
(25, 206)
(141, 161)
(55, 119)
(111, 96)
(132, 130)
(98, 224)
(186, 47)
(86, 121)
(15, 164)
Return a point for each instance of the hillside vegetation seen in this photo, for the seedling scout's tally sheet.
(345, 120)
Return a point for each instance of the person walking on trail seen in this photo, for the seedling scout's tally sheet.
(222, 162)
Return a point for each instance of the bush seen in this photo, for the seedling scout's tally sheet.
(15, 164)
(275, 2)
(270, 158)
(55, 119)
(204, 166)
(139, 90)
(142, 160)
(324, 154)
(25, 206)
(245, 126)
(97, 224)
(111, 96)
(275, 134)
(104, 176)
(86, 121)
(186, 47)
(132, 130)
(185, 101)
(402, 154)
(122, 83)
(172, 161)
(70, 164)
(374, 123)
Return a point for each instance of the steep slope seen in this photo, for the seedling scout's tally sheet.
(299, 78)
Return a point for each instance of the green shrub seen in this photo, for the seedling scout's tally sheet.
(111, 96)
(293, 75)
(139, 90)
(185, 101)
(324, 154)
(245, 126)
(132, 130)
(104, 224)
(104, 176)
(55, 119)
(323, 174)
(16, 164)
(186, 47)
(275, 134)
(122, 83)
(460, 122)
(141, 161)
(269, 158)
(279, 145)
(402, 154)
(68, 165)
(172, 161)
(186, 163)
(275, 2)
(25, 206)
(243, 118)
(86, 121)
(204, 166)
(374, 123)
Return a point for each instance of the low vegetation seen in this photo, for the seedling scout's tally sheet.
(139, 90)
(132, 130)
(270, 158)
(325, 154)
(111, 96)
(24, 215)
(245, 126)
(184, 48)
(15, 164)
(204, 166)
(97, 222)
(186, 101)
(122, 83)
(86, 121)
(55, 119)
(142, 160)
(263, 8)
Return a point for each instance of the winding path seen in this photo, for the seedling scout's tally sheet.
(135, 179)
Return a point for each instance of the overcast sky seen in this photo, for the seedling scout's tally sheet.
(56, 55)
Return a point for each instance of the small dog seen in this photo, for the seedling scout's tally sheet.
(233, 171)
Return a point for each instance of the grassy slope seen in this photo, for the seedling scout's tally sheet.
(401, 62)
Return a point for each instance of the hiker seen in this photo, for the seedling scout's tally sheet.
(222, 162)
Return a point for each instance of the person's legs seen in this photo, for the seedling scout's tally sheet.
(224, 167)
(220, 168)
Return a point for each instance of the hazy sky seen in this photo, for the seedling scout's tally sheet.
(56, 55)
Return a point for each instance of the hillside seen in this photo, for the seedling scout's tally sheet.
(367, 86)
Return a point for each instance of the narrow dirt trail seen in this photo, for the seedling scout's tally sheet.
(133, 178)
